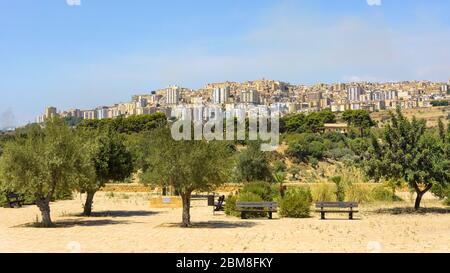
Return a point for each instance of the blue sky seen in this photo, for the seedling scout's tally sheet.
(103, 51)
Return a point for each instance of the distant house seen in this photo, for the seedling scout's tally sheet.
(336, 127)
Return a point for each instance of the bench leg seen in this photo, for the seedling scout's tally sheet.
(322, 215)
(270, 215)
(350, 215)
(242, 215)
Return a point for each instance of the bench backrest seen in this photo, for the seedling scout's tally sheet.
(336, 205)
(257, 204)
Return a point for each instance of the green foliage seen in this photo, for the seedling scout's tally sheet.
(437, 103)
(251, 197)
(294, 171)
(279, 166)
(408, 152)
(252, 165)
(358, 118)
(381, 193)
(306, 146)
(313, 162)
(132, 124)
(442, 192)
(72, 121)
(44, 162)
(263, 189)
(393, 185)
(338, 153)
(296, 203)
(340, 188)
(300, 123)
(186, 166)
(109, 161)
(230, 205)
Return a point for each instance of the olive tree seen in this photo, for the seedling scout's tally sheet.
(109, 158)
(187, 166)
(43, 162)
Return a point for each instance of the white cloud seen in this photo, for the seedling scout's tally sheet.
(374, 2)
(73, 2)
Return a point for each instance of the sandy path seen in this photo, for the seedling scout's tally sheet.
(129, 225)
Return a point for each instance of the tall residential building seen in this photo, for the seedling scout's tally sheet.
(75, 113)
(221, 95)
(102, 112)
(50, 112)
(251, 96)
(339, 87)
(314, 96)
(354, 93)
(90, 114)
(173, 94)
(391, 95)
(378, 95)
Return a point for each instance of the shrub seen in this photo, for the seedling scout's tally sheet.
(340, 188)
(442, 193)
(250, 197)
(314, 162)
(323, 192)
(261, 189)
(231, 200)
(338, 153)
(316, 149)
(230, 205)
(381, 193)
(296, 203)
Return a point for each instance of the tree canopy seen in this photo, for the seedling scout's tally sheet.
(132, 124)
(186, 166)
(110, 160)
(358, 118)
(43, 162)
(408, 152)
(301, 123)
(252, 164)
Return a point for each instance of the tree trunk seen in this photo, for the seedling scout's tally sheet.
(87, 210)
(186, 197)
(44, 206)
(420, 194)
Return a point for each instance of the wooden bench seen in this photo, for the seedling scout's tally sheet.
(246, 207)
(336, 207)
(13, 200)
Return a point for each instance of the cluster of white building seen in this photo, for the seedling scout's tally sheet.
(180, 103)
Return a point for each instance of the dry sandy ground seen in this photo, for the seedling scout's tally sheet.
(125, 223)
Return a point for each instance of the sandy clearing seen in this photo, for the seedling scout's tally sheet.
(126, 223)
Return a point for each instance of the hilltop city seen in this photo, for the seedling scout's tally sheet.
(263, 95)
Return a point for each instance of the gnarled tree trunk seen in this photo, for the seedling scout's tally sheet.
(44, 206)
(186, 197)
(87, 209)
(420, 193)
